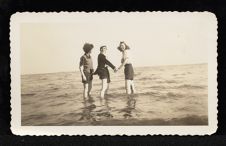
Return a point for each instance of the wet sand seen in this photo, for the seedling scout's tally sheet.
(166, 95)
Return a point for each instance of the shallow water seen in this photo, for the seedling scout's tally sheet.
(166, 95)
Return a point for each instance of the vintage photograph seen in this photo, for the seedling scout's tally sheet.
(112, 70)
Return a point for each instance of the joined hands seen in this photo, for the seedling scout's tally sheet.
(115, 70)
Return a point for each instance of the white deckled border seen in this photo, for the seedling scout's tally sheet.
(65, 17)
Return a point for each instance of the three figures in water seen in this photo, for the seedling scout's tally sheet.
(87, 71)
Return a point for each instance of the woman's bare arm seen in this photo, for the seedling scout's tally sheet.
(81, 69)
(124, 60)
(123, 63)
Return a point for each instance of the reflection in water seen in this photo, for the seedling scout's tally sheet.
(87, 113)
(91, 113)
(130, 108)
(106, 111)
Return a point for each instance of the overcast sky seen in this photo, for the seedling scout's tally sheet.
(153, 39)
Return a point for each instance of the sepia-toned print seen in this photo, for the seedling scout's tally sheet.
(114, 73)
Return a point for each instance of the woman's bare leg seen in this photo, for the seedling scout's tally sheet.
(89, 88)
(85, 91)
(104, 87)
(106, 91)
(128, 86)
(133, 87)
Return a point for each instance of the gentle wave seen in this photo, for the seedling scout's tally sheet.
(187, 86)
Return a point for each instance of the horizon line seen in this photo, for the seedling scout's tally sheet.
(134, 67)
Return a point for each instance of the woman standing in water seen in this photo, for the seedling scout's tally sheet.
(86, 69)
(128, 68)
(102, 70)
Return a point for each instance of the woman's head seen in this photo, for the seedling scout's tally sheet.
(87, 48)
(103, 49)
(123, 46)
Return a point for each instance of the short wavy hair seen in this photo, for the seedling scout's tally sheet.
(120, 49)
(87, 47)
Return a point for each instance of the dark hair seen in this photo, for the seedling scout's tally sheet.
(120, 49)
(87, 47)
(101, 48)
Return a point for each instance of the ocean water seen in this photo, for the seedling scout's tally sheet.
(166, 95)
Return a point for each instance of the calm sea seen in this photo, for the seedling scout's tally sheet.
(167, 95)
